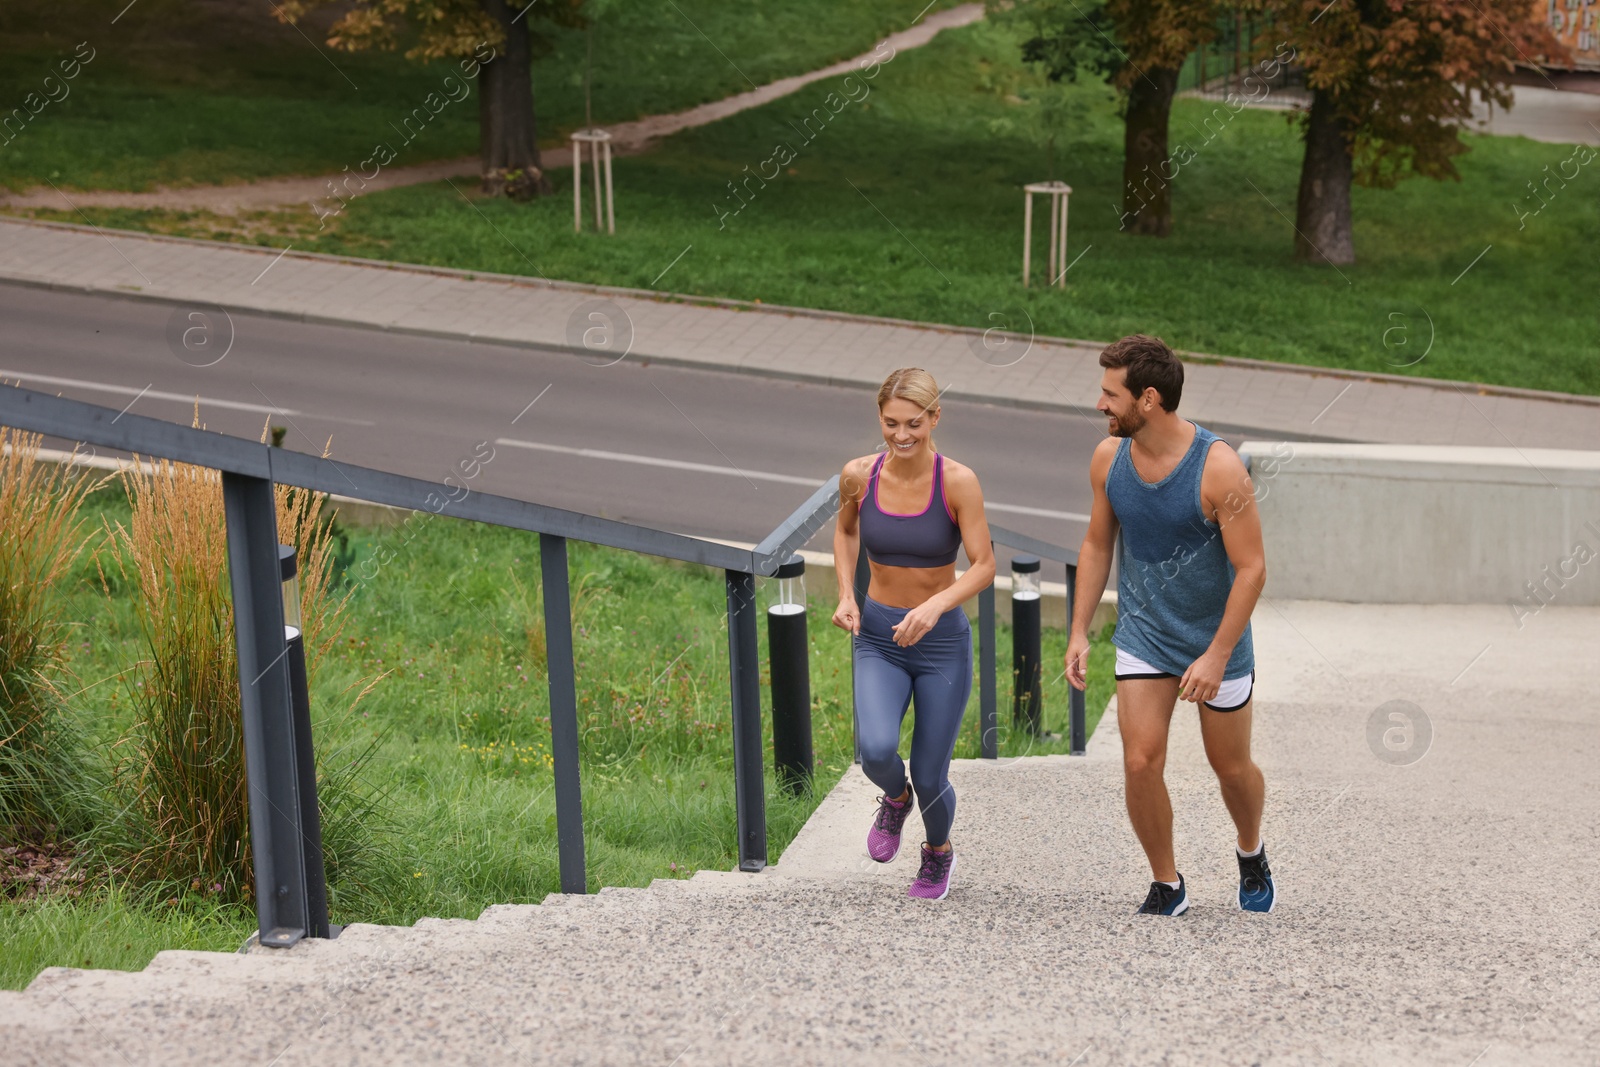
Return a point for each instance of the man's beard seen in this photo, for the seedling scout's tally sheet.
(1127, 425)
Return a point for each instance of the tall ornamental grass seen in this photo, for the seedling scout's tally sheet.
(45, 786)
(180, 774)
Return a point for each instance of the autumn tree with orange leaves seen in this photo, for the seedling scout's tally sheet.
(494, 41)
(1391, 82)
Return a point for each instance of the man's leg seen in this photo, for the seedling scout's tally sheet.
(1144, 715)
(1244, 790)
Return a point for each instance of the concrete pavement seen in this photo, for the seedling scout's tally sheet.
(1040, 373)
(1431, 818)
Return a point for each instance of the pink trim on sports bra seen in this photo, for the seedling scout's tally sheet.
(878, 467)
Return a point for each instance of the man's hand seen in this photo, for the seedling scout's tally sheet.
(1203, 678)
(1078, 661)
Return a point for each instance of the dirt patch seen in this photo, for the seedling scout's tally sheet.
(26, 871)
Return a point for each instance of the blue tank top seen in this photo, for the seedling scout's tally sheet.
(1173, 574)
(928, 538)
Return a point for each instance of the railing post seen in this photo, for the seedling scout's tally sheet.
(988, 722)
(862, 582)
(563, 712)
(266, 714)
(1077, 717)
(744, 686)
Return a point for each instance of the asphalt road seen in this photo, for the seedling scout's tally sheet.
(704, 453)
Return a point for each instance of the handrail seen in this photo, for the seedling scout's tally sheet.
(76, 420)
(285, 872)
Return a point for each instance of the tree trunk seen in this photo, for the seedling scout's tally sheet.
(1146, 170)
(507, 133)
(1322, 213)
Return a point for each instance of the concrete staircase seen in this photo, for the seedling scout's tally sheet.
(1434, 912)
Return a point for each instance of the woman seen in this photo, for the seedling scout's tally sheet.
(911, 508)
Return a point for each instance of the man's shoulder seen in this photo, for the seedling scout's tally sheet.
(1221, 459)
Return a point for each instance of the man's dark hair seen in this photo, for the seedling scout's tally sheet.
(1149, 362)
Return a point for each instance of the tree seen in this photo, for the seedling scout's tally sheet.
(493, 40)
(1138, 46)
(1391, 81)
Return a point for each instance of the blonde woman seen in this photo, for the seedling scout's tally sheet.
(911, 508)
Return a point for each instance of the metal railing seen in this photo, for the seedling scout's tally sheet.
(286, 861)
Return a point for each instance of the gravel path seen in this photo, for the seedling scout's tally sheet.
(1432, 912)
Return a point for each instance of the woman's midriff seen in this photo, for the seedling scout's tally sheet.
(907, 587)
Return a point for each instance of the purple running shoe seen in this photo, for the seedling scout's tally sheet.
(933, 880)
(883, 840)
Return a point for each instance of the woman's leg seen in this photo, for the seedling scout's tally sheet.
(943, 684)
(883, 691)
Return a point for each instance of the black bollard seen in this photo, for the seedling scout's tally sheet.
(304, 754)
(1027, 690)
(791, 677)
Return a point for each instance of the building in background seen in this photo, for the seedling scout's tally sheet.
(1573, 21)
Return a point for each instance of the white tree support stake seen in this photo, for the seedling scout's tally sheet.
(1058, 193)
(599, 142)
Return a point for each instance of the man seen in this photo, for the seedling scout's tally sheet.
(1177, 505)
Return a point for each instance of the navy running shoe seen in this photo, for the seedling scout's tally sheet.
(1257, 891)
(1165, 900)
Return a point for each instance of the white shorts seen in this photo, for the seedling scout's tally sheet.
(1233, 694)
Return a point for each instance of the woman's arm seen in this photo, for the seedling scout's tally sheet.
(847, 544)
(965, 496)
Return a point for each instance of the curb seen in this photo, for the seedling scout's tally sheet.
(728, 303)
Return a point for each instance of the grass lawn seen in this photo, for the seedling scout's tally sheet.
(908, 204)
(466, 815)
(181, 93)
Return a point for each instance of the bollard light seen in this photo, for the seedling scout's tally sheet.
(1024, 578)
(304, 753)
(289, 575)
(790, 595)
(787, 644)
(1027, 690)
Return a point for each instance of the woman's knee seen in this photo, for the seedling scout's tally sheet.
(931, 789)
(880, 761)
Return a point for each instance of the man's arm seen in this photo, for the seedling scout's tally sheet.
(1229, 499)
(1094, 563)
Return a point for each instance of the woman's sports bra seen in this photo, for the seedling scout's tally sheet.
(928, 538)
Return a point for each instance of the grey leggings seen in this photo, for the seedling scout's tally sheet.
(937, 670)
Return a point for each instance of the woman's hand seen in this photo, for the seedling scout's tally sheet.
(847, 616)
(918, 621)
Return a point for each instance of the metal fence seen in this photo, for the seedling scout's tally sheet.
(286, 856)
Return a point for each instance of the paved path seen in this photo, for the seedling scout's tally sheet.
(1543, 114)
(628, 138)
(1431, 913)
(1044, 374)
(1537, 112)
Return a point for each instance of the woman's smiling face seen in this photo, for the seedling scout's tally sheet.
(906, 426)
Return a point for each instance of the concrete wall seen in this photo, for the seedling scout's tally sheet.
(1419, 524)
